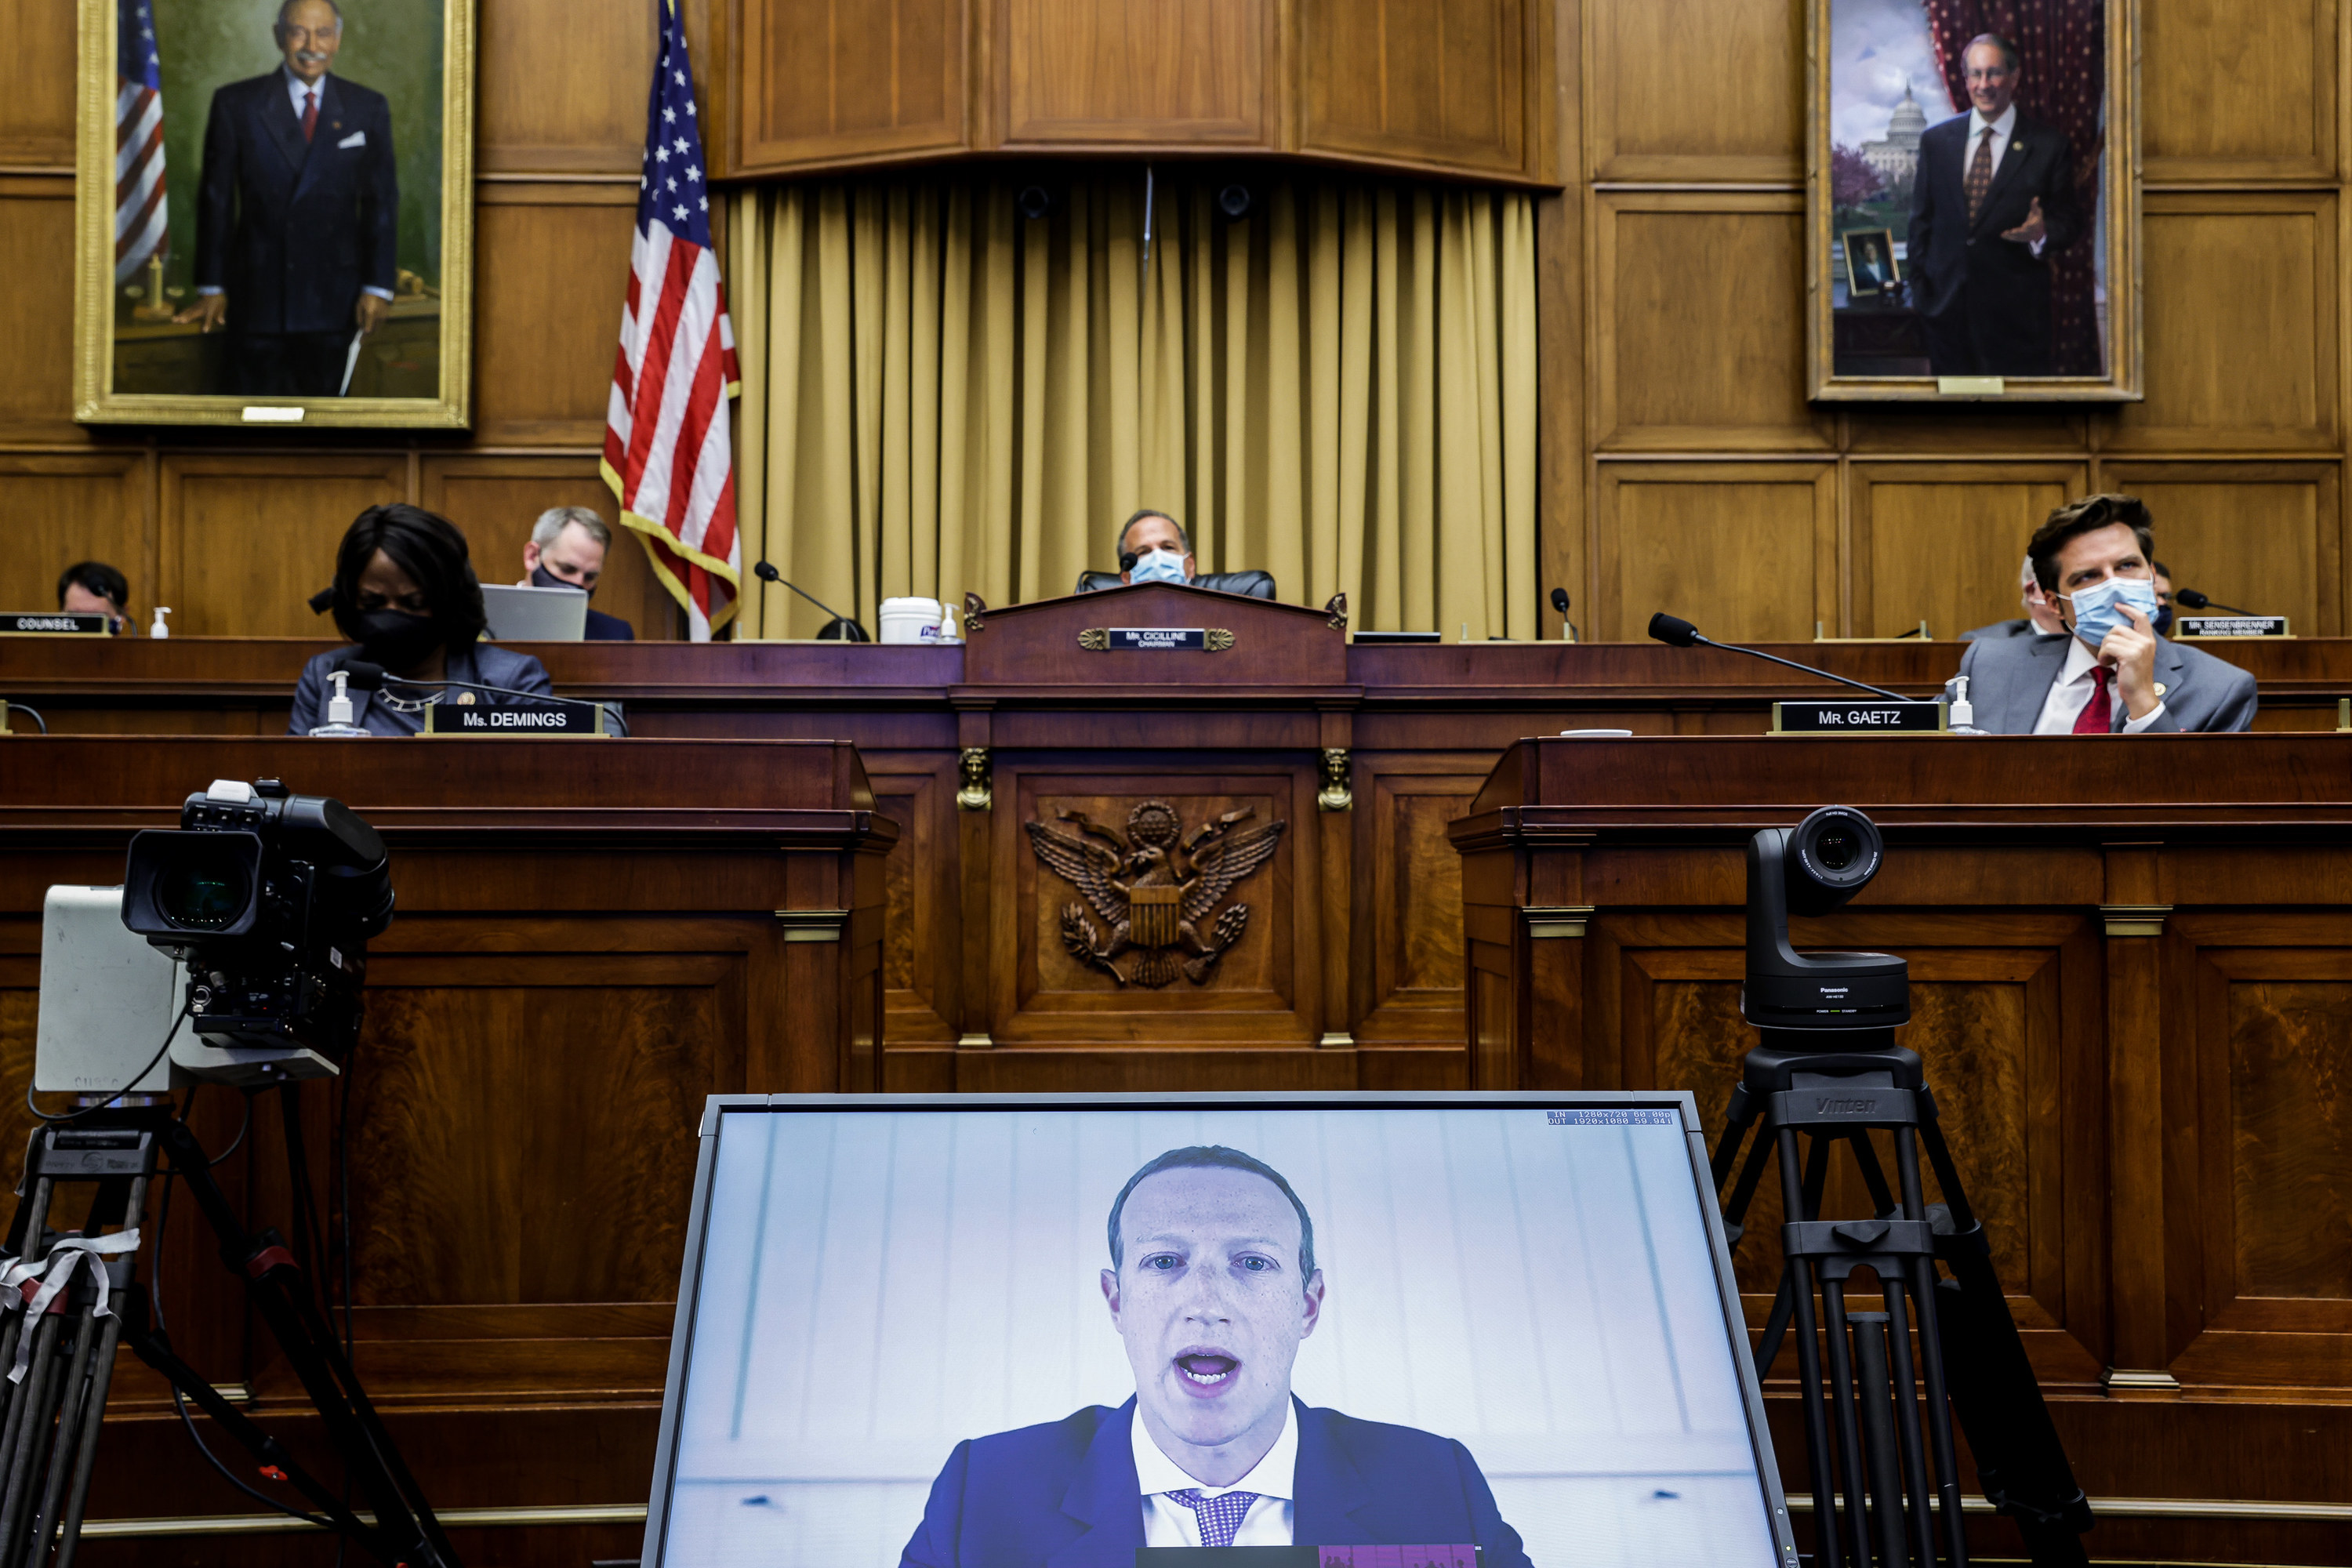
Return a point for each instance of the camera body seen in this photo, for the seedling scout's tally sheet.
(270, 899)
(1810, 870)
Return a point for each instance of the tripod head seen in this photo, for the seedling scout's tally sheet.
(1810, 870)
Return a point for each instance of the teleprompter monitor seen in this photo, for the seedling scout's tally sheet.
(1477, 1329)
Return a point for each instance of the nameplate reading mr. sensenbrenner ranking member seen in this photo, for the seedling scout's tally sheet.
(1864, 718)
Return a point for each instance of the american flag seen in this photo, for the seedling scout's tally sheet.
(139, 228)
(667, 453)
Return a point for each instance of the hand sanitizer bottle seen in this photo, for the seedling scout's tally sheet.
(159, 629)
(338, 710)
(1964, 713)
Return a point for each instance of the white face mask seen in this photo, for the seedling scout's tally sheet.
(1158, 566)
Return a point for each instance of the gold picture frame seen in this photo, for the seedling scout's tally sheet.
(134, 366)
(1884, 347)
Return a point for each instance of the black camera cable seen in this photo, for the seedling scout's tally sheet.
(155, 1305)
(179, 1018)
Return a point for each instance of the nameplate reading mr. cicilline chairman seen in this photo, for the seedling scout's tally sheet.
(1156, 640)
(1865, 717)
(569, 718)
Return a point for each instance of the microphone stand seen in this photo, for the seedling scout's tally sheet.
(766, 573)
(374, 677)
(1677, 633)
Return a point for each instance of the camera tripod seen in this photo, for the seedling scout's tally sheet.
(1863, 1429)
(64, 1342)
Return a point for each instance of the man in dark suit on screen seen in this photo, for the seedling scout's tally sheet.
(1212, 1285)
(1993, 204)
(297, 215)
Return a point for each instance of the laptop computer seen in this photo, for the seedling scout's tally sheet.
(535, 615)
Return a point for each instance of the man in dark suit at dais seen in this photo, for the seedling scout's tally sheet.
(1212, 1286)
(297, 215)
(1993, 204)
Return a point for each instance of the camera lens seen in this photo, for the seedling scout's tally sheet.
(203, 892)
(1836, 849)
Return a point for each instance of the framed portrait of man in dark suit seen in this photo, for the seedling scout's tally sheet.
(1993, 145)
(274, 211)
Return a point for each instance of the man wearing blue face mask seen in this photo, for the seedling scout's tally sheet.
(2109, 672)
(1153, 548)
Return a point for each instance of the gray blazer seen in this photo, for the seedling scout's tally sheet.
(485, 664)
(2010, 679)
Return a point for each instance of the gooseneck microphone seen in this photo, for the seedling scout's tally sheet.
(1679, 633)
(841, 629)
(2191, 599)
(366, 677)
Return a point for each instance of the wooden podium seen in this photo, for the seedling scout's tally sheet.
(2131, 967)
(590, 937)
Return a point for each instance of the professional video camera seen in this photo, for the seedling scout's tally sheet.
(1810, 870)
(1829, 1080)
(269, 898)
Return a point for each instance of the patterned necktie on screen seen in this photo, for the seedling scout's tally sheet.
(309, 112)
(1219, 1516)
(2098, 715)
(1979, 178)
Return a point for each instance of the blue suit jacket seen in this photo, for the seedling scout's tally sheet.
(1063, 1495)
(485, 664)
(293, 229)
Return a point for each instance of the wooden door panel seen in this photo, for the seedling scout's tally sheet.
(922, 960)
(1411, 971)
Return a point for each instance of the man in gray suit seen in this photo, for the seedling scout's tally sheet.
(2109, 672)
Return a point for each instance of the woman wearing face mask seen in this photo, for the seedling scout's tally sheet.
(407, 595)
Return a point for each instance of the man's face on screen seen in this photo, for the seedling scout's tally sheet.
(1211, 1304)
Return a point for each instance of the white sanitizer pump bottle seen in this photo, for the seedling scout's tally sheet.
(159, 629)
(338, 710)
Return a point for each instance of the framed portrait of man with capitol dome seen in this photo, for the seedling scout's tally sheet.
(1972, 200)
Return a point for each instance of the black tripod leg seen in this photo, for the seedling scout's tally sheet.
(1943, 1456)
(1906, 1418)
(1873, 1175)
(1873, 1382)
(1826, 1554)
(1848, 1429)
(1738, 1117)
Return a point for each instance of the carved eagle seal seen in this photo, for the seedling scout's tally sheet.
(1154, 887)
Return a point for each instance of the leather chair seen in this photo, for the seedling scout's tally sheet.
(1248, 585)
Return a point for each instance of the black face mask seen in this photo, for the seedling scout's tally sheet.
(2162, 620)
(398, 641)
(541, 577)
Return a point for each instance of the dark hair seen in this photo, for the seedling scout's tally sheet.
(2008, 50)
(2160, 569)
(1182, 538)
(96, 577)
(1216, 1156)
(2085, 516)
(434, 554)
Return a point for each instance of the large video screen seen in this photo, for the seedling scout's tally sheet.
(1493, 1329)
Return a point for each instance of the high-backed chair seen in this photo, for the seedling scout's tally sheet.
(1248, 585)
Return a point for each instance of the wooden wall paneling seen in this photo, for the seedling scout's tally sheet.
(816, 82)
(496, 499)
(1698, 91)
(1746, 551)
(247, 538)
(36, 309)
(1690, 353)
(1410, 974)
(37, 112)
(55, 510)
(2268, 536)
(2275, 120)
(553, 275)
(562, 87)
(1106, 72)
(922, 941)
(1405, 80)
(2242, 298)
(1942, 541)
(2271, 994)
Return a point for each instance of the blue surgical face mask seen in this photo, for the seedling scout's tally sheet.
(2095, 613)
(1158, 566)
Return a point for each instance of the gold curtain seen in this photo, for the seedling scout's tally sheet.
(939, 395)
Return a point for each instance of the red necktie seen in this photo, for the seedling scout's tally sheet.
(2098, 715)
(309, 112)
